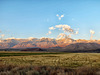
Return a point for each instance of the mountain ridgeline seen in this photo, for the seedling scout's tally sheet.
(51, 45)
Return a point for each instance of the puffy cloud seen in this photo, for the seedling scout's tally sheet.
(49, 32)
(65, 28)
(76, 32)
(92, 32)
(52, 28)
(60, 17)
(61, 36)
(62, 26)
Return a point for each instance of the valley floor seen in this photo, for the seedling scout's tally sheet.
(37, 63)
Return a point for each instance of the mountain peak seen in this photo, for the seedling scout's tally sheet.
(42, 42)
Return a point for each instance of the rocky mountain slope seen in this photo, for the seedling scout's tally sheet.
(82, 46)
(65, 43)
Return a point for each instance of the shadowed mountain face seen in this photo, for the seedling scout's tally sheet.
(82, 46)
(78, 47)
(64, 44)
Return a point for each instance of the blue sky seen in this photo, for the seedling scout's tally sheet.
(32, 18)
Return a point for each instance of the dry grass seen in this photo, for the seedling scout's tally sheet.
(52, 64)
(46, 70)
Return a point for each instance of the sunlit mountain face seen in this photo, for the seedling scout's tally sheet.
(43, 43)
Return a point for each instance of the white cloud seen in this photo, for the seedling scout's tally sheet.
(62, 35)
(62, 26)
(92, 32)
(65, 28)
(49, 32)
(60, 17)
(76, 32)
(52, 28)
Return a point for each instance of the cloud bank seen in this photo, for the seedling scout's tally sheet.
(66, 30)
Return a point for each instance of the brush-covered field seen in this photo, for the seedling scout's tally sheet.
(38, 63)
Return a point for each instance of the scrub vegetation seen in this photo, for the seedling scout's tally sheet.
(38, 63)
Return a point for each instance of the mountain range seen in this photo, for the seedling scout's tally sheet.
(64, 44)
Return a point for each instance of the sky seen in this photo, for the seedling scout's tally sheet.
(33, 18)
